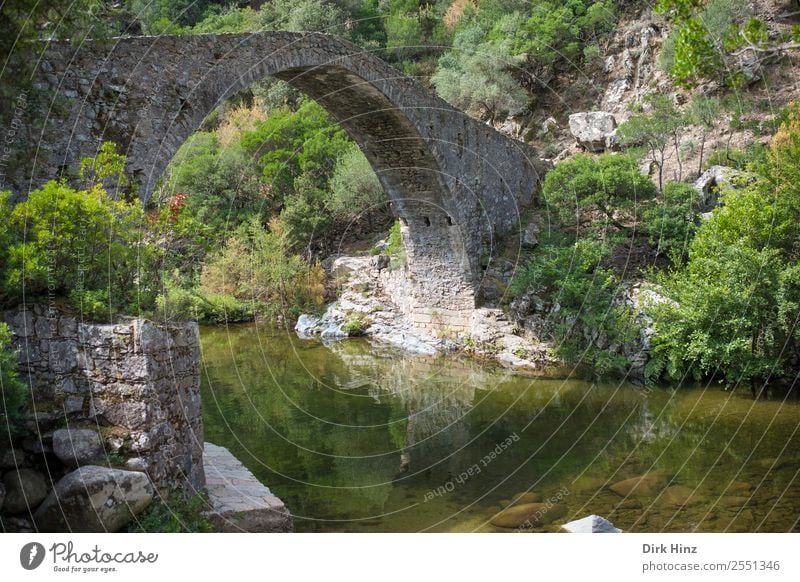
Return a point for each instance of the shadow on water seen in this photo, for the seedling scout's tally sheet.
(356, 438)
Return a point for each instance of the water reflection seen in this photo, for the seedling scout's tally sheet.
(355, 439)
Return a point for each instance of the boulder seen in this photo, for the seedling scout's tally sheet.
(381, 262)
(591, 524)
(25, 489)
(94, 499)
(344, 267)
(523, 498)
(306, 325)
(529, 515)
(595, 131)
(644, 485)
(530, 236)
(715, 179)
(680, 496)
(11, 458)
(76, 447)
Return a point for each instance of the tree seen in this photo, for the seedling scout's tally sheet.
(475, 77)
(671, 223)
(656, 129)
(256, 264)
(705, 112)
(354, 187)
(82, 244)
(734, 309)
(609, 184)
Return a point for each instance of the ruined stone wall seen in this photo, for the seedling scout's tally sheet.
(135, 383)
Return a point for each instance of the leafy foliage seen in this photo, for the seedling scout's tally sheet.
(177, 514)
(655, 130)
(703, 39)
(13, 392)
(354, 187)
(672, 222)
(588, 317)
(474, 76)
(585, 187)
(256, 265)
(66, 241)
(734, 313)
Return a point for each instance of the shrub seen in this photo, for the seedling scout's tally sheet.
(14, 401)
(356, 323)
(66, 241)
(584, 187)
(672, 223)
(354, 187)
(395, 248)
(734, 309)
(589, 318)
(256, 265)
(177, 514)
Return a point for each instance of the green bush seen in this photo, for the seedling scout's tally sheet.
(605, 188)
(589, 318)
(395, 248)
(475, 76)
(734, 307)
(67, 242)
(702, 39)
(356, 323)
(257, 266)
(354, 187)
(177, 514)
(15, 397)
(671, 223)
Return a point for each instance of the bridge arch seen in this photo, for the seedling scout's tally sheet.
(456, 183)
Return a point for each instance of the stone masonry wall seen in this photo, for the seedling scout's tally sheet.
(136, 383)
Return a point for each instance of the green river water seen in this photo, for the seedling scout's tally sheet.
(365, 439)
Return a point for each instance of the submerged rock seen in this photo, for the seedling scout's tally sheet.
(529, 515)
(680, 496)
(644, 485)
(524, 498)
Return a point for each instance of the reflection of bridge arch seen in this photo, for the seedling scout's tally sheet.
(456, 182)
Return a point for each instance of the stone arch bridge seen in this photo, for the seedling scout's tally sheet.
(457, 184)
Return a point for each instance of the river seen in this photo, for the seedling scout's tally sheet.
(356, 438)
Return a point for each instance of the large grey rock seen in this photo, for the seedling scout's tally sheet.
(306, 325)
(594, 130)
(530, 236)
(95, 499)
(11, 458)
(591, 524)
(25, 489)
(713, 181)
(76, 447)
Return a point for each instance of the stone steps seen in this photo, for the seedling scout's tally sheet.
(239, 501)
